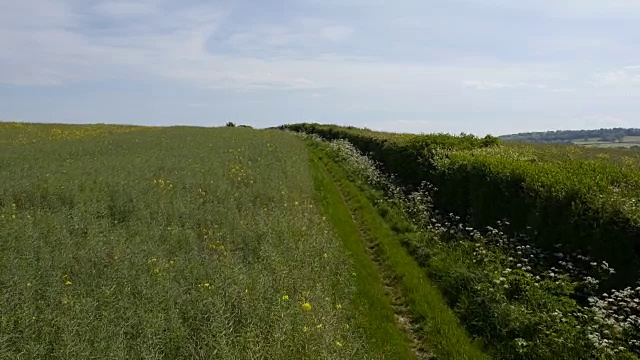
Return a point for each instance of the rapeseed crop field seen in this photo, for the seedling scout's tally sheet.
(125, 242)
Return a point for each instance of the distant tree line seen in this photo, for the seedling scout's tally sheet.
(232, 124)
(567, 136)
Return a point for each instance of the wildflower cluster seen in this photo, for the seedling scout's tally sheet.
(615, 319)
(159, 266)
(163, 184)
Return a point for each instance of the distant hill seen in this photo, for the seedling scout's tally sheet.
(615, 137)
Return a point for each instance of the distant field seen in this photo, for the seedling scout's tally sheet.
(627, 141)
(13, 133)
(614, 137)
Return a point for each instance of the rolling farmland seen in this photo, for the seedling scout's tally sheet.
(183, 242)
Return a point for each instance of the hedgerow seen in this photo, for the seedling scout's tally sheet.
(522, 302)
(582, 199)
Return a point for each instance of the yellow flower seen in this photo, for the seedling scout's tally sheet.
(306, 306)
(285, 297)
(66, 280)
(339, 306)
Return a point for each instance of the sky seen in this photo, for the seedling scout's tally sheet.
(473, 66)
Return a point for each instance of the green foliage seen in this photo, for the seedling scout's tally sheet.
(581, 198)
(521, 304)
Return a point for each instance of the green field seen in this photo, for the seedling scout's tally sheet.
(171, 243)
(626, 142)
(232, 243)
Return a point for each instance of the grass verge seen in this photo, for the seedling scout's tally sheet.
(375, 310)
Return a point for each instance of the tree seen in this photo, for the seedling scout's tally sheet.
(615, 136)
(231, 124)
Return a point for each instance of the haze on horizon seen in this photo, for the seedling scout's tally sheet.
(474, 66)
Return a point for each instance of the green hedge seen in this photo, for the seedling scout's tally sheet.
(553, 194)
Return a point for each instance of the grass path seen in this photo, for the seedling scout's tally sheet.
(376, 311)
(434, 329)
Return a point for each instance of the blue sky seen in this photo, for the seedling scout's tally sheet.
(475, 66)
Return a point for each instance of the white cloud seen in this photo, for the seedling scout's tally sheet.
(336, 33)
(567, 8)
(483, 85)
(35, 14)
(603, 121)
(300, 33)
(351, 3)
(552, 8)
(125, 9)
(628, 75)
(198, 105)
(489, 85)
